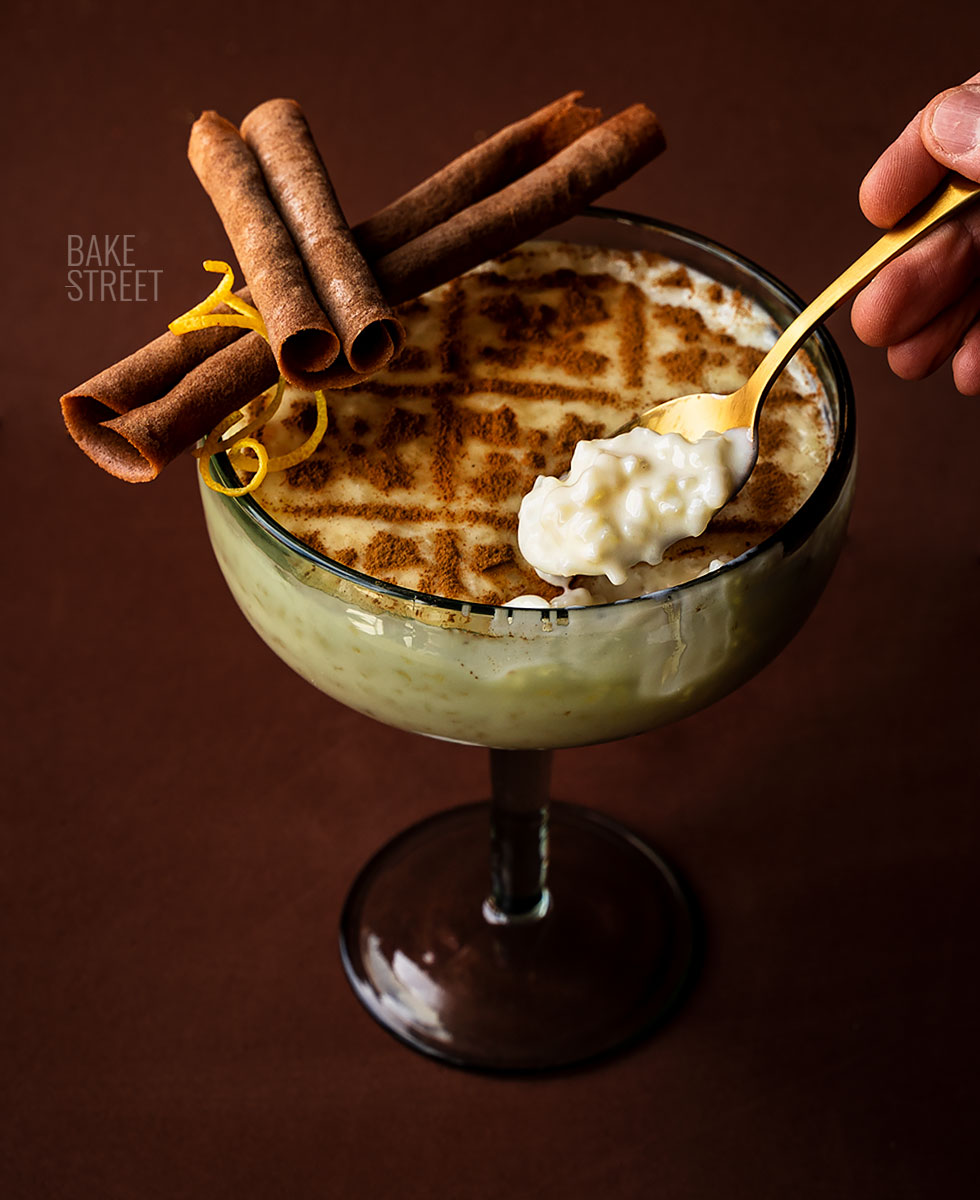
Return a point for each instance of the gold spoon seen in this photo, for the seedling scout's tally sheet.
(704, 412)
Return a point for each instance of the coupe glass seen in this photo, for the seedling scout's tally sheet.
(515, 934)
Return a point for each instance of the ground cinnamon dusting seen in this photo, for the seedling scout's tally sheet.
(387, 552)
(453, 349)
(522, 389)
(748, 358)
(500, 480)
(632, 334)
(443, 577)
(774, 493)
(302, 418)
(686, 364)
(677, 279)
(773, 434)
(503, 356)
(586, 363)
(548, 332)
(446, 446)
(412, 358)
(401, 425)
(310, 475)
(497, 428)
(387, 472)
(486, 558)
(466, 435)
(572, 430)
(347, 555)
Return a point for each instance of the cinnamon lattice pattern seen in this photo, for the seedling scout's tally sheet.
(420, 476)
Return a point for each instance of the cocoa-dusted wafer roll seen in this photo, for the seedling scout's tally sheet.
(594, 163)
(138, 415)
(300, 333)
(486, 168)
(297, 181)
(166, 397)
(147, 373)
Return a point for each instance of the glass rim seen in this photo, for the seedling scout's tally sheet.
(793, 531)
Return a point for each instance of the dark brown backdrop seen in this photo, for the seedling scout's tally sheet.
(183, 816)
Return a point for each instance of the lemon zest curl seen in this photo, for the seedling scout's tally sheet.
(245, 452)
(203, 316)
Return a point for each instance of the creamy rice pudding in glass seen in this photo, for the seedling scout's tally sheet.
(382, 572)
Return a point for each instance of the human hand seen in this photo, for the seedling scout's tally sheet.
(925, 305)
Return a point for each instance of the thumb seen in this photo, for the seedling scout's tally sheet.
(950, 130)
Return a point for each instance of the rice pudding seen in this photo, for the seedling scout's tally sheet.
(420, 477)
(510, 400)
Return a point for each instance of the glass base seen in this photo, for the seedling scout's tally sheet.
(605, 957)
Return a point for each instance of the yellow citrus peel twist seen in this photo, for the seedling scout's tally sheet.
(202, 316)
(245, 452)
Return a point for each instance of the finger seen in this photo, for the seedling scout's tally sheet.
(904, 174)
(966, 363)
(920, 355)
(920, 284)
(908, 170)
(950, 129)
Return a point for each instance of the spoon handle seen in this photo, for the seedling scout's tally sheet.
(952, 196)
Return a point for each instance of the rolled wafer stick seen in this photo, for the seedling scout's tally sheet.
(166, 397)
(145, 375)
(369, 332)
(486, 168)
(301, 336)
(173, 391)
(594, 163)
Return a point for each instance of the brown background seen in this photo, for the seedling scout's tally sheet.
(184, 816)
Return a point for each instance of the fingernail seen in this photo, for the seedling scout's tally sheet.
(956, 121)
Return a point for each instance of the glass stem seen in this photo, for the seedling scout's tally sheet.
(520, 782)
